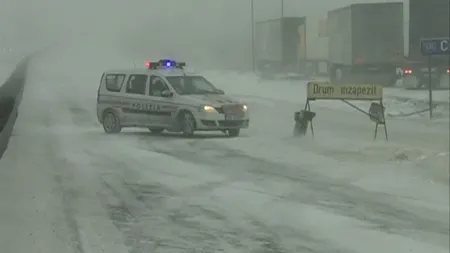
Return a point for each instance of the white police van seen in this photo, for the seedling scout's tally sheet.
(166, 97)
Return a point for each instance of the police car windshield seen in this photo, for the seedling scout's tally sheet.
(192, 85)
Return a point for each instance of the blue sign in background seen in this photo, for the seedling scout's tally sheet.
(434, 46)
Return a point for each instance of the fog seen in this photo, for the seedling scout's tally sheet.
(206, 32)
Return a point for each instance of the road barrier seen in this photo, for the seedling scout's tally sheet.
(317, 90)
(10, 97)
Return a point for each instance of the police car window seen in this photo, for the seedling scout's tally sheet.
(188, 85)
(114, 82)
(136, 84)
(157, 86)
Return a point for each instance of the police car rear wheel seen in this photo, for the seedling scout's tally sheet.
(233, 132)
(111, 123)
(188, 124)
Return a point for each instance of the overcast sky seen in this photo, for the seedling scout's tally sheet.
(175, 28)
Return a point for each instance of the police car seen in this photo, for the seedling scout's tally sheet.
(166, 97)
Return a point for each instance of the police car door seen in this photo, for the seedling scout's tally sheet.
(163, 106)
(136, 108)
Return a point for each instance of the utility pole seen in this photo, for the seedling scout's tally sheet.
(252, 15)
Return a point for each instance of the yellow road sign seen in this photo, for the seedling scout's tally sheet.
(322, 90)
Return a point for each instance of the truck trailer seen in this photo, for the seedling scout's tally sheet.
(427, 19)
(365, 43)
(280, 47)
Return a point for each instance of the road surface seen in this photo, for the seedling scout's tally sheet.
(65, 186)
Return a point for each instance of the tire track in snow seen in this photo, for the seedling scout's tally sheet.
(160, 219)
(150, 226)
(381, 210)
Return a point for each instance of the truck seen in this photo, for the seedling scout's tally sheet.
(280, 46)
(427, 19)
(365, 43)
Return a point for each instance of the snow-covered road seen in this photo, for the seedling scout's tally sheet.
(67, 187)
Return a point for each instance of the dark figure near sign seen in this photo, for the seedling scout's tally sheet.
(376, 113)
(302, 120)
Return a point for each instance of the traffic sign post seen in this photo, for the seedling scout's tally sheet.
(431, 47)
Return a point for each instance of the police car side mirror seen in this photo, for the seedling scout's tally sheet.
(220, 91)
(166, 93)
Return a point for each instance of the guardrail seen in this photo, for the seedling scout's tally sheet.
(10, 97)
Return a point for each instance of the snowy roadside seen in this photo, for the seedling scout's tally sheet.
(280, 100)
(251, 81)
(397, 101)
(439, 96)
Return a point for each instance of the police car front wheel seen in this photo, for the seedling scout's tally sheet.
(111, 123)
(187, 124)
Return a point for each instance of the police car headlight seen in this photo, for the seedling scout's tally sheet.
(208, 108)
(244, 108)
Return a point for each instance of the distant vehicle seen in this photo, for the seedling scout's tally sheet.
(427, 19)
(365, 43)
(280, 47)
(166, 97)
(358, 43)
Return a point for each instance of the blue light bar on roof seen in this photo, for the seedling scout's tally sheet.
(165, 64)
